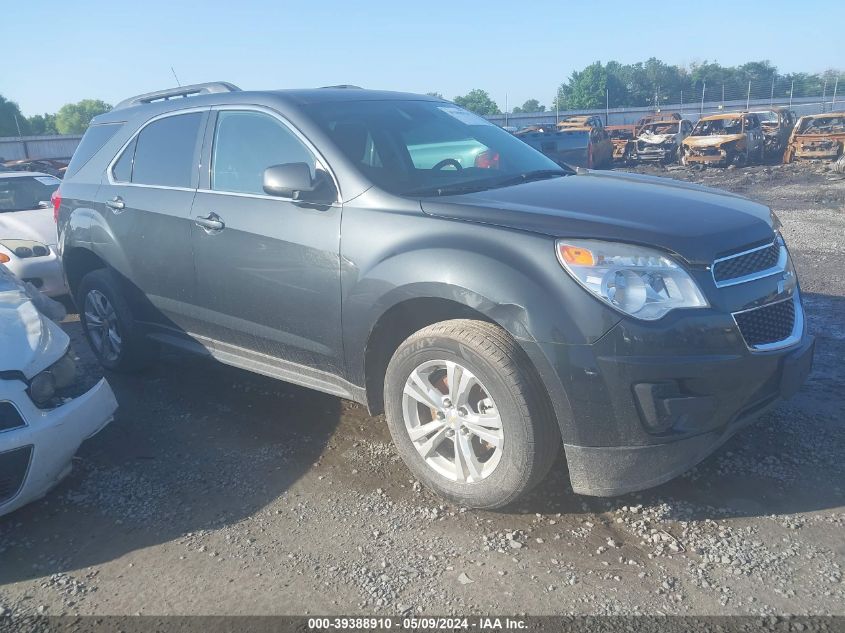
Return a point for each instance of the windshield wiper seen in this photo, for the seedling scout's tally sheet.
(452, 189)
(482, 185)
(539, 174)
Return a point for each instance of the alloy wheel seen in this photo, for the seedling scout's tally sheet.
(101, 322)
(452, 421)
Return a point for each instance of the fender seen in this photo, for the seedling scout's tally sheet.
(511, 277)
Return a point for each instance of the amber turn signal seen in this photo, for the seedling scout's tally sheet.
(576, 256)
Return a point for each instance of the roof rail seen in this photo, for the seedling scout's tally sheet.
(343, 86)
(183, 91)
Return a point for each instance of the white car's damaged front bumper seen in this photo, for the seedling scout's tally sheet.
(37, 445)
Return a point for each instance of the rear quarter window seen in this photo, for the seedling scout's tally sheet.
(92, 142)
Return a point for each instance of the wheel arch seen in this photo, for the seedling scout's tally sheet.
(78, 261)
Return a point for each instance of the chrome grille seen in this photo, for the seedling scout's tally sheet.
(771, 324)
(738, 267)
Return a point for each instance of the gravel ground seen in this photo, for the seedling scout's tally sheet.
(216, 491)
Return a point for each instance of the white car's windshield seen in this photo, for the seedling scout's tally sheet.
(19, 193)
(422, 148)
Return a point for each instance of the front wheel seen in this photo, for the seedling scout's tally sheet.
(468, 413)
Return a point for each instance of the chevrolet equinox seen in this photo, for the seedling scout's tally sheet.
(404, 253)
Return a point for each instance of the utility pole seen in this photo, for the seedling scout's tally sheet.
(723, 96)
(748, 98)
(824, 96)
(772, 96)
(703, 88)
(682, 101)
(833, 103)
(791, 91)
(607, 106)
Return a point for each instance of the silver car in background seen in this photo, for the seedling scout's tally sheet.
(28, 230)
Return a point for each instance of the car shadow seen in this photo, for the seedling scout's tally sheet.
(195, 445)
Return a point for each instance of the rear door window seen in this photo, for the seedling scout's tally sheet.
(92, 142)
(166, 151)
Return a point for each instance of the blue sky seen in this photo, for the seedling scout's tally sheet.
(57, 52)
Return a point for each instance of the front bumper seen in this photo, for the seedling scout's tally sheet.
(661, 153)
(45, 273)
(650, 400)
(708, 157)
(50, 438)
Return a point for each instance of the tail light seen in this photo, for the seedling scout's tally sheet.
(487, 160)
(56, 199)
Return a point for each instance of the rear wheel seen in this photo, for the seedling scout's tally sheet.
(468, 414)
(108, 324)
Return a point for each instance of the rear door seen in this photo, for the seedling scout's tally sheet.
(268, 279)
(147, 200)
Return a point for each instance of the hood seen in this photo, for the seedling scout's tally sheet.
(695, 222)
(656, 139)
(30, 342)
(34, 224)
(711, 141)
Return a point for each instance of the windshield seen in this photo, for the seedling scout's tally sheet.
(767, 116)
(661, 128)
(823, 125)
(427, 147)
(26, 192)
(717, 127)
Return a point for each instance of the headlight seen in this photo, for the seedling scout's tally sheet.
(26, 248)
(43, 387)
(641, 282)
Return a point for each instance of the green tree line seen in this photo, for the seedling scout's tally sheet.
(72, 118)
(654, 82)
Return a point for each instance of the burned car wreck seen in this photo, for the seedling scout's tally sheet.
(817, 136)
(734, 138)
(660, 140)
(624, 145)
(777, 125)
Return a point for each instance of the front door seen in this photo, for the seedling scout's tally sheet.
(268, 271)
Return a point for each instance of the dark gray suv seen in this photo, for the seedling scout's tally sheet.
(399, 251)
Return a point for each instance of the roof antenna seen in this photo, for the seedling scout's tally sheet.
(178, 83)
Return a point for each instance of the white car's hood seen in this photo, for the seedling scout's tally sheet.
(29, 341)
(33, 224)
(656, 139)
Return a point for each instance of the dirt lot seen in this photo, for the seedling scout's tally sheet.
(216, 491)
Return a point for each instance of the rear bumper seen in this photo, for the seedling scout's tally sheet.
(50, 437)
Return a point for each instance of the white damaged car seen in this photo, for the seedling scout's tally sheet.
(43, 416)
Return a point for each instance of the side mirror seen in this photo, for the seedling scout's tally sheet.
(289, 180)
(45, 204)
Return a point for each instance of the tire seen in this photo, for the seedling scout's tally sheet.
(98, 294)
(529, 439)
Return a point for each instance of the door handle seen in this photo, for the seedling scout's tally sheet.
(211, 223)
(116, 203)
